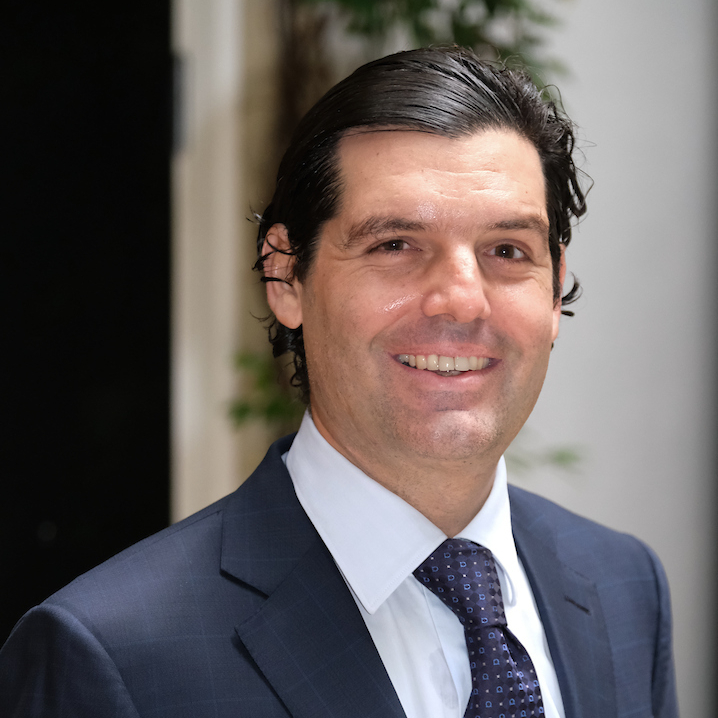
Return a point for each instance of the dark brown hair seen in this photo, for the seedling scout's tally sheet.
(445, 91)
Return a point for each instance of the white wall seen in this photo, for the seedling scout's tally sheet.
(632, 376)
(208, 214)
(228, 52)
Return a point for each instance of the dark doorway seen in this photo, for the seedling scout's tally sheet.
(85, 272)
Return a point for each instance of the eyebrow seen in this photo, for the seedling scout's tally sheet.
(534, 222)
(379, 226)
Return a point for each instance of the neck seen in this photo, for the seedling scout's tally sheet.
(448, 492)
(449, 496)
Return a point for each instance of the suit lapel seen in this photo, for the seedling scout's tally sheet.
(312, 645)
(570, 612)
(308, 637)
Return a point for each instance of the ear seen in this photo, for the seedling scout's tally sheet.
(284, 292)
(557, 307)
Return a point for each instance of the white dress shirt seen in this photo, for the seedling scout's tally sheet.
(377, 540)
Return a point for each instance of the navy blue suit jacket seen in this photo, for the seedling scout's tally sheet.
(240, 611)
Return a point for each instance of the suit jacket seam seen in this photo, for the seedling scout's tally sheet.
(89, 634)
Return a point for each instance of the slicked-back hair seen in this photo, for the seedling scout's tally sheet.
(445, 91)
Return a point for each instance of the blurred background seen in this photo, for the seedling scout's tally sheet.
(140, 139)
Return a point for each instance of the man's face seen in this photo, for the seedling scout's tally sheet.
(439, 248)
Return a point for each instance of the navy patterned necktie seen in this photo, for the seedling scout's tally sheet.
(504, 684)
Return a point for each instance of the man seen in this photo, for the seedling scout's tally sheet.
(378, 565)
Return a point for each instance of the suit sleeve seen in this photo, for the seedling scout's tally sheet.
(52, 666)
(664, 698)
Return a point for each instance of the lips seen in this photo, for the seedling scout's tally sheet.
(444, 364)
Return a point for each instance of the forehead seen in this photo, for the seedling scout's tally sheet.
(431, 177)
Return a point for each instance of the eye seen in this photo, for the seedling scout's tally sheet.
(391, 245)
(508, 251)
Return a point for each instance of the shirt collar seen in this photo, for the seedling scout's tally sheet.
(374, 536)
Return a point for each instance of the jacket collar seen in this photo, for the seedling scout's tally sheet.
(308, 637)
(570, 611)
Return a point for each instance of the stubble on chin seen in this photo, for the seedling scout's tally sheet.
(445, 434)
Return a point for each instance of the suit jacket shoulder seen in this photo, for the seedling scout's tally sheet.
(603, 598)
(239, 610)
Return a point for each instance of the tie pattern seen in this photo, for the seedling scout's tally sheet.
(504, 683)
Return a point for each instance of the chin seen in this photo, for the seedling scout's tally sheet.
(450, 439)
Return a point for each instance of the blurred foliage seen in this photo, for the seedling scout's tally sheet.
(267, 394)
(526, 454)
(498, 29)
(506, 30)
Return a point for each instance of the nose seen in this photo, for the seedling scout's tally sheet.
(456, 287)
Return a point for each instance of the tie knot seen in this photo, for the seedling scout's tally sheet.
(463, 575)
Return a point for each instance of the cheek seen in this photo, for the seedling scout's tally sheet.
(357, 307)
(334, 321)
(392, 306)
(527, 317)
(555, 323)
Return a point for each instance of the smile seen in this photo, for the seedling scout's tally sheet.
(451, 366)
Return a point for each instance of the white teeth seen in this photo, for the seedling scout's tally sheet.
(446, 363)
(434, 362)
